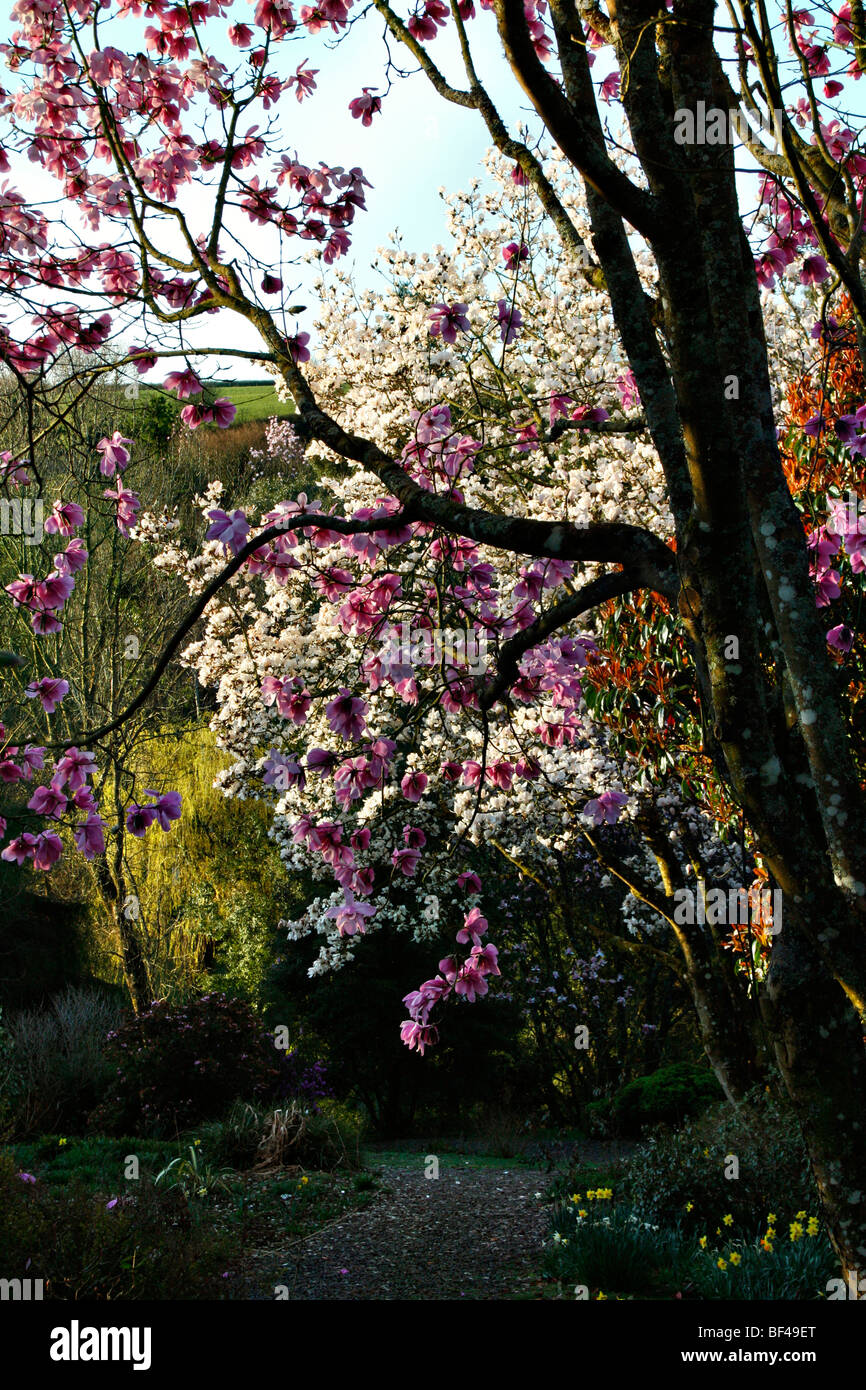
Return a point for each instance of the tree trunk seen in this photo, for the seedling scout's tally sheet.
(818, 1039)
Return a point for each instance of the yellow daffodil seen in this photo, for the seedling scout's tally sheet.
(703, 1242)
(721, 1264)
(735, 1257)
(690, 1206)
(796, 1230)
(61, 1142)
(728, 1220)
(813, 1226)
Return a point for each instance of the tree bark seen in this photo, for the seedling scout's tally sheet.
(818, 1040)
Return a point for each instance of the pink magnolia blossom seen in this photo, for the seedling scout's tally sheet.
(606, 809)
(365, 107)
(195, 415)
(345, 714)
(418, 1035)
(167, 807)
(447, 320)
(184, 384)
(48, 801)
(72, 559)
(298, 349)
(406, 860)
(74, 768)
(232, 529)
(510, 320)
(474, 927)
(139, 819)
(470, 983)
(115, 454)
(814, 271)
(351, 915)
(89, 836)
(626, 388)
(19, 850)
(64, 518)
(414, 785)
(127, 507)
(827, 587)
(513, 254)
(47, 850)
(841, 638)
(49, 691)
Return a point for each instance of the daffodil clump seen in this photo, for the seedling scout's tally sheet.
(746, 1270)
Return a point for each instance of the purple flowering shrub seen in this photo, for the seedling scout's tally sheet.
(302, 1080)
(178, 1064)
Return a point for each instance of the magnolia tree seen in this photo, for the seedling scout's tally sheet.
(517, 778)
(165, 149)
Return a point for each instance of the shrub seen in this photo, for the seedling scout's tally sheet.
(301, 1080)
(175, 1066)
(668, 1096)
(54, 1060)
(137, 1246)
(673, 1172)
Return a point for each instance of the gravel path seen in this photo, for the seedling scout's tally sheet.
(470, 1233)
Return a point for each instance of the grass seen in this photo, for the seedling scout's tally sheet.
(241, 1222)
(413, 1153)
(96, 1162)
(254, 402)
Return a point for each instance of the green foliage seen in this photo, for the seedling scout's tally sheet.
(672, 1170)
(174, 1066)
(667, 1096)
(233, 1142)
(139, 1246)
(45, 942)
(791, 1270)
(213, 890)
(155, 415)
(193, 1175)
(612, 1249)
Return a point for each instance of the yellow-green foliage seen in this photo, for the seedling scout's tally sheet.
(211, 889)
